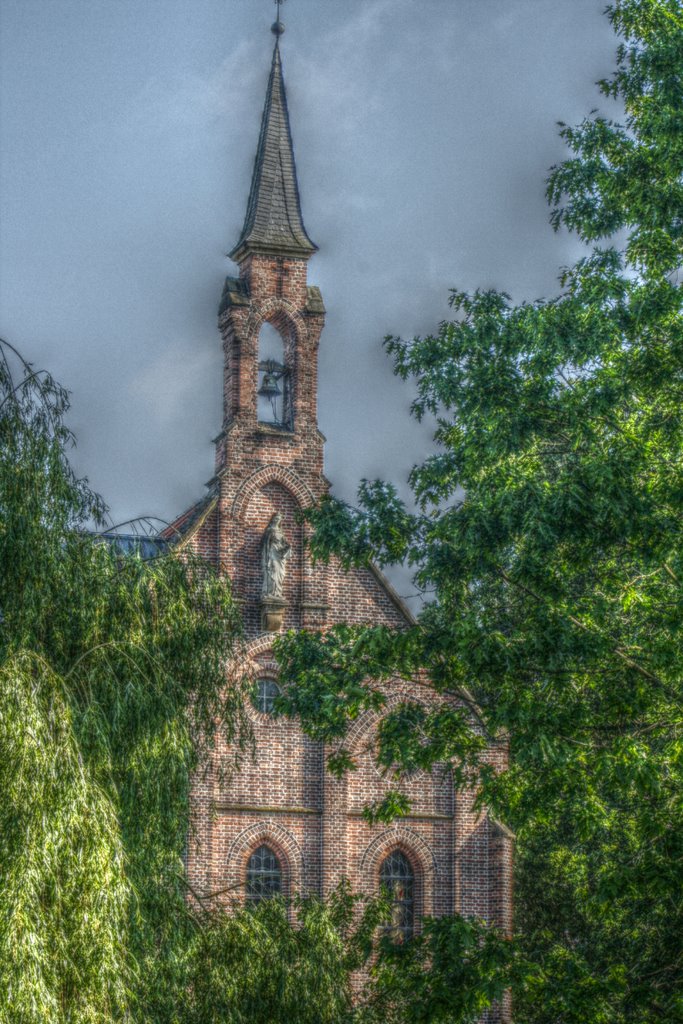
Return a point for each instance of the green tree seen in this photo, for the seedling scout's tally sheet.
(283, 962)
(112, 692)
(111, 667)
(451, 973)
(548, 527)
(313, 961)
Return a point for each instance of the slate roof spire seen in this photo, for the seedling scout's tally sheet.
(273, 224)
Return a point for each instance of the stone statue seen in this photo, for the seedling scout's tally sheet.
(275, 553)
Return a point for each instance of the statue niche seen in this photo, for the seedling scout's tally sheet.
(275, 553)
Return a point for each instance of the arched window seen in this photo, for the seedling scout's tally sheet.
(264, 875)
(274, 385)
(265, 692)
(396, 875)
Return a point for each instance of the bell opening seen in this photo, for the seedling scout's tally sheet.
(274, 391)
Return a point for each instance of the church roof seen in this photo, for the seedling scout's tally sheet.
(273, 224)
(180, 528)
(134, 544)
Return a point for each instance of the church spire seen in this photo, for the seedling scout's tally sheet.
(273, 224)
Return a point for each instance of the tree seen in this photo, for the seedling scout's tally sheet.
(283, 961)
(112, 690)
(451, 973)
(111, 667)
(548, 528)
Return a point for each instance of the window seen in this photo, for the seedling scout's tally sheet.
(264, 875)
(397, 876)
(265, 692)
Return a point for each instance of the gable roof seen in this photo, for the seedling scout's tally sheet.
(184, 525)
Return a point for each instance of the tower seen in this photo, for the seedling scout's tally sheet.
(282, 823)
(271, 321)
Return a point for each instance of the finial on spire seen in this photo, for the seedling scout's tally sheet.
(277, 28)
(273, 225)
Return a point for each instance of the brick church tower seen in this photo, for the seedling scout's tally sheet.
(282, 823)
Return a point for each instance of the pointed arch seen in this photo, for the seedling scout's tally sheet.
(419, 854)
(399, 837)
(281, 314)
(283, 844)
(371, 719)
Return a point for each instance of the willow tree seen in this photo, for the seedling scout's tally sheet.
(549, 529)
(111, 668)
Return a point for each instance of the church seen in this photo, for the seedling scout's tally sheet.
(282, 824)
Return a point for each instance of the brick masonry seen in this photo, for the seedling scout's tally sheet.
(284, 798)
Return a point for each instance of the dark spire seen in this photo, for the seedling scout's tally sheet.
(273, 223)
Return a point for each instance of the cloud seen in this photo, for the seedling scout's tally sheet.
(182, 101)
(168, 386)
(422, 130)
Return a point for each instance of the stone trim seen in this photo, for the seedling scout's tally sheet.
(184, 539)
(265, 810)
(395, 598)
(412, 816)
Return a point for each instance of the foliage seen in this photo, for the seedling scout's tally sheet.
(548, 526)
(283, 961)
(110, 667)
(64, 896)
(112, 689)
(313, 961)
(451, 973)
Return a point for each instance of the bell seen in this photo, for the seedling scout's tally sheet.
(269, 387)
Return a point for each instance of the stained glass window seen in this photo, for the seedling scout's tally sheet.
(264, 875)
(265, 692)
(397, 876)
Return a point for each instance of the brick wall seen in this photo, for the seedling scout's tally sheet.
(284, 798)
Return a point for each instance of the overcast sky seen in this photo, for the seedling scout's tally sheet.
(423, 131)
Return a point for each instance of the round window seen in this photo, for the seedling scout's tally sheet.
(265, 692)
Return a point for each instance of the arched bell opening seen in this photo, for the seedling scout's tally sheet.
(274, 395)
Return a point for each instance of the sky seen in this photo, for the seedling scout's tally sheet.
(423, 133)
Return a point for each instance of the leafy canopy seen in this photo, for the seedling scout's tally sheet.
(113, 689)
(111, 667)
(548, 527)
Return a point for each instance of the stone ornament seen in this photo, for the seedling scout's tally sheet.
(275, 553)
